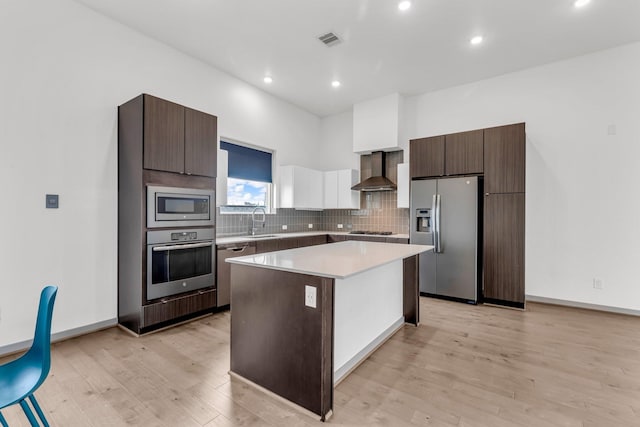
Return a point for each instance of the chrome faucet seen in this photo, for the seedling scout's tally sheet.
(253, 228)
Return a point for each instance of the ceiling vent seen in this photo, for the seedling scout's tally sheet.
(329, 39)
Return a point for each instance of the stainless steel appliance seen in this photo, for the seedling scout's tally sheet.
(179, 207)
(444, 213)
(180, 261)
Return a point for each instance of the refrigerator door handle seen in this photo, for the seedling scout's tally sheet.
(438, 209)
(436, 222)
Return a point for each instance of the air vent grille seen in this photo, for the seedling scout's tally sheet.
(329, 39)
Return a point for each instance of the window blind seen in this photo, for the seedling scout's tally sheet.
(247, 163)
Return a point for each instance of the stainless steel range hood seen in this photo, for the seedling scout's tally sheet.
(377, 181)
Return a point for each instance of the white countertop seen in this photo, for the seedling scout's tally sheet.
(246, 238)
(336, 260)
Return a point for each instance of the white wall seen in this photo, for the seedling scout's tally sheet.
(583, 202)
(64, 71)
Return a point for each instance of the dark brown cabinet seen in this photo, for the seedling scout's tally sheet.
(498, 154)
(178, 139)
(223, 273)
(463, 153)
(200, 143)
(165, 144)
(445, 155)
(427, 157)
(504, 159)
(503, 255)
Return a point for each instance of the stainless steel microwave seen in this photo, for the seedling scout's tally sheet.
(180, 207)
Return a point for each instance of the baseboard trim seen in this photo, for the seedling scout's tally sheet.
(60, 336)
(588, 306)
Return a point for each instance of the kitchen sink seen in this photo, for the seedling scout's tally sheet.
(262, 236)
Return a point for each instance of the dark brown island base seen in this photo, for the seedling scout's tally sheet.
(302, 319)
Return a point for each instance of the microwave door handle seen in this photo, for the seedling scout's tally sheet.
(187, 246)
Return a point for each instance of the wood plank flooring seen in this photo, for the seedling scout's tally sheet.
(464, 366)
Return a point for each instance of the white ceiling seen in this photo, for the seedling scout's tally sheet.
(384, 50)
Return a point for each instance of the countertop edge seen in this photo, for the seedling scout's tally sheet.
(227, 240)
(243, 261)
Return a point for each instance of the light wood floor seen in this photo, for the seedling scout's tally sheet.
(464, 366)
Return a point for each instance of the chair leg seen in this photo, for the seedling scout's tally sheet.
(28, 413)
(36, 406)
(3, 421)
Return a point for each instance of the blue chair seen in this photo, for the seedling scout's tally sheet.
(20, 378)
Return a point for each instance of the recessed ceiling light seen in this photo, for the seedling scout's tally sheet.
(580, 3)
(335, 83)
(476, 40)
(404, 5)
(268, 80)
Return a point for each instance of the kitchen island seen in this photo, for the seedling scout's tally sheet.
(302, 319)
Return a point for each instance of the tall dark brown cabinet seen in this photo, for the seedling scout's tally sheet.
(504, 214)
(498, 155)
(166, 144)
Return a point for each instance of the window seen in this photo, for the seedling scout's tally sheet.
(249, 178)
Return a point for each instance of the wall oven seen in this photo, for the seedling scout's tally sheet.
(180, 207)
(180, 261)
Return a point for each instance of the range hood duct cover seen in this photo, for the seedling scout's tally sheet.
(377, 182)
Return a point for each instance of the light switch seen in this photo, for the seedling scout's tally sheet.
(51, 201)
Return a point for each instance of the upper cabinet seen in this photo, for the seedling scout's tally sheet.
(200, 143)
(337, 189)
(446, 155)
(178, 139)
(301, 188)
(426, 157)
(403, 185)
(504, 159)
(463, 153)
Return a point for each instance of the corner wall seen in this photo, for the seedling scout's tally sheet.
(65, 70)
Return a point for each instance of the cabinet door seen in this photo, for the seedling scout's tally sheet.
(504, 159)
(200, 143)
(163, 135)
(267, 245)
(331, 190)
(347, 198)
(463, 153)
(223, 273)
(426, 157)
(504, 247)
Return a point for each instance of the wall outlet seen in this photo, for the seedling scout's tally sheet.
(284, 227)
(597, 283)
(310, 296)
(310, 225)
(340, 226)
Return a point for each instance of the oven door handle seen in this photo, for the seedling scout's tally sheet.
(187, 246)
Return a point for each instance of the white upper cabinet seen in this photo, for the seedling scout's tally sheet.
(376, 124)
(301, 188)
(403, 185)
(337, 189)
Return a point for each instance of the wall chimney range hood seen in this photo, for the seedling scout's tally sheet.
(377, 181)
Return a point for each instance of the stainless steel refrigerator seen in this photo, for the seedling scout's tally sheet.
(444, 213)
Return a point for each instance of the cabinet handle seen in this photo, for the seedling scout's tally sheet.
(238, 249)
(487, 194)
